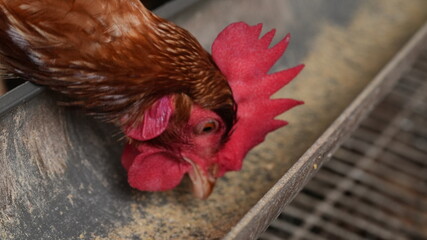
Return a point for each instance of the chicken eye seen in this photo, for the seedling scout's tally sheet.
(206, 127)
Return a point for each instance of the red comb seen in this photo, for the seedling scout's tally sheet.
(245, 60)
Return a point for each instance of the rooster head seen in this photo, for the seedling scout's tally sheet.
(183, 110)
(208, 149)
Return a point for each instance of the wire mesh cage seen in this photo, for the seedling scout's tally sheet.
(375, 185)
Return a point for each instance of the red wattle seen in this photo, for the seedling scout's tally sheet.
(153, 169)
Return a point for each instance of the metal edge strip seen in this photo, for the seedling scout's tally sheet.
(27, 91)
(257, 219)
(18, 95)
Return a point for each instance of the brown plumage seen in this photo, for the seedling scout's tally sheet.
(122, 63)
(113, 58)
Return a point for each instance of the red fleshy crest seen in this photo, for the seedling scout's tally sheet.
(245, 59)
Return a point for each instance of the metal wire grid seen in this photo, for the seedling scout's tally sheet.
(375, 185)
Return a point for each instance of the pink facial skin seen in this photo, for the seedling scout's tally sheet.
(245, 59)
(156, 169)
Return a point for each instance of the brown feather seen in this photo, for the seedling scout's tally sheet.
(114, 58)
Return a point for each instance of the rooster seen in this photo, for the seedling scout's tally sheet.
(182, 110)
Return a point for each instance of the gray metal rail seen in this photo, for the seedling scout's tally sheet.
(375, 186)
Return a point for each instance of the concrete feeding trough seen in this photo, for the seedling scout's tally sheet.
(61, 175)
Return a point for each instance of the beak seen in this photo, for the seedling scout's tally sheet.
(203, 181)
